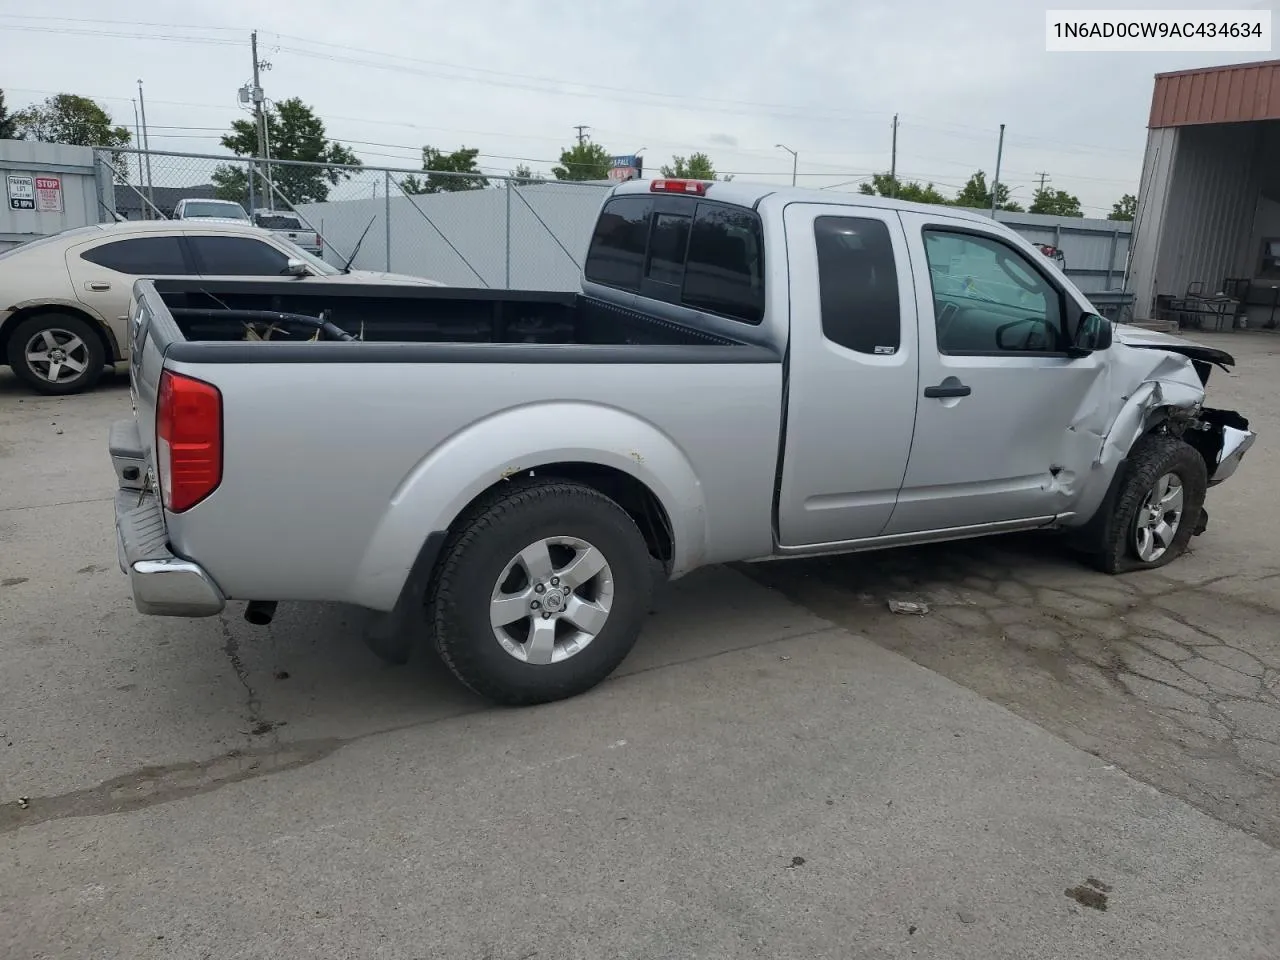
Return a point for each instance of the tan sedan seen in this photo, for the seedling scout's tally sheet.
(64, 298)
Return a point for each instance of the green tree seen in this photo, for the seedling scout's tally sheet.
(882, 184)
(697, 167)
(1126, 208)
(436, 162)
(294, 132)
(523, 175)
(67, 118)
(977, 194)
(584, 161)
(8, 122)
(1057, 203)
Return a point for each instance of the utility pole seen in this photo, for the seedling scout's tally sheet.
(146, 146)
(795, 160)
(582, 129)
(137, 138)
(260, 119)
(893, 162)
(1043, 177)
(995, 184)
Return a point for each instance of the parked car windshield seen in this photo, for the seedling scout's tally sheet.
(220, 209)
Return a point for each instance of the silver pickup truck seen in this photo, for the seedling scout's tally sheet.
(746, 374)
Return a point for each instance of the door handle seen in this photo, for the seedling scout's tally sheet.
(941, 392)
(98, 285)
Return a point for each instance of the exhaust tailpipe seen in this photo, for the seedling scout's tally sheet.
(260, 612)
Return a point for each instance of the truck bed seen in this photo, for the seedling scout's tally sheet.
(215, 312)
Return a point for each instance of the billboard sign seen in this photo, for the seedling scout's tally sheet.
(627, 167)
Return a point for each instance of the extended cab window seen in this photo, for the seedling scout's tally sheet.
(616, 255)
(858, 284)
(141, 256)
(988, 298)
(724, 270)
(238, 257)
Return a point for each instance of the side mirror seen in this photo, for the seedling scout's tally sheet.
(297, 268)
(1092, 333)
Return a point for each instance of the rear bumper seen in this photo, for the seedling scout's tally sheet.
(163, 583)
(1235, 444)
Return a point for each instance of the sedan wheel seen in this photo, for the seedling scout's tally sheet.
(58, 356)
(57, 353)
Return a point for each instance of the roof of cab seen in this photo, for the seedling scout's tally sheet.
(751, 194)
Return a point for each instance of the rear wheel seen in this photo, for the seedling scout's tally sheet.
(541, 592)
(57, 353)
(1158, 509)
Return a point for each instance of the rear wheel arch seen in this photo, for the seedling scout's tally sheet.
(109, 345)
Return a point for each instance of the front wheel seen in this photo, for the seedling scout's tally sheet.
(1158, 509)
(541, 592)
(57, 353)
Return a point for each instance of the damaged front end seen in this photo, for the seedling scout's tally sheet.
(1222, 437)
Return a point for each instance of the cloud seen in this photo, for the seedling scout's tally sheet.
(513, 78)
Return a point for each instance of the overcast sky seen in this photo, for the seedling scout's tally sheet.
(729, 77)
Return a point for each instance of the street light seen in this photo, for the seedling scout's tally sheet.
(795, 160)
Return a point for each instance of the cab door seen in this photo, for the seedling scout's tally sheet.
(1001, 429)
(852, 375)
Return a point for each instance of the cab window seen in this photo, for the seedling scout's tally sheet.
(988, 298)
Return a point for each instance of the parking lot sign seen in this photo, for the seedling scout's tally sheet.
(22, 193)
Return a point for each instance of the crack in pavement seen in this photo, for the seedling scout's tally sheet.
(258, 724)
(1176, 683)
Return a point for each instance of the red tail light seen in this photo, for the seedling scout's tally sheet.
(188, 440)
(698, 187)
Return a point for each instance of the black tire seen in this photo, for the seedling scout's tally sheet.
(61, 328)
(481, 547)
(1151, 459)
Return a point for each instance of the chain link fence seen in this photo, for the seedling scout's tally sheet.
(460, 229)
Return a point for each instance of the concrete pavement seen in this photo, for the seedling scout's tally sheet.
(757, 781)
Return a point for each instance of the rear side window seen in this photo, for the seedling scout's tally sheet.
(238, 257)
(141, 256)
(667, 248)
(616, 256)
(858, 284)
(724, 271)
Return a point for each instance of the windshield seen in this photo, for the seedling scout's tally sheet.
(219, 209)
(322, 268)
(278, 221)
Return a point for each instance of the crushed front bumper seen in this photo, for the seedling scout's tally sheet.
(163, 584)
(1235, 444)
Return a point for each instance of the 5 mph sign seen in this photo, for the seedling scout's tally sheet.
(22, 193)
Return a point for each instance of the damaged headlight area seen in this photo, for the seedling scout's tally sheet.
(1222, 437)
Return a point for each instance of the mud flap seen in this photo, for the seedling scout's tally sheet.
(1202, 524)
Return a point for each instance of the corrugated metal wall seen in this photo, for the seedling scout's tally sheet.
(73, 166)
(1153, 198)
(1232, 94)
(1208, 217)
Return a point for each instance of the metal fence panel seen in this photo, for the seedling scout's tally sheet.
(482, 231)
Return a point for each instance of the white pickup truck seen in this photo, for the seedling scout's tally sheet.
(747, 374)
(290, 227)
